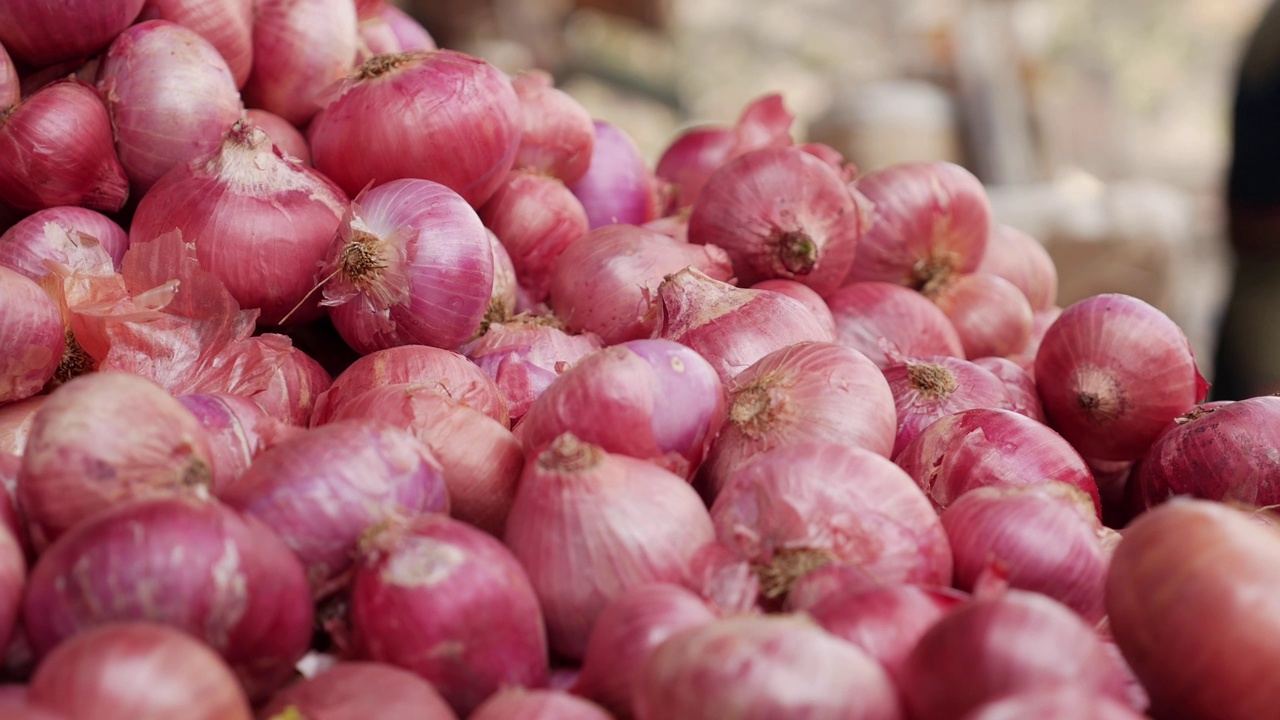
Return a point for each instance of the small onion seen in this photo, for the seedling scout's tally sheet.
(1019, 383)
(805, 294)
(31, 241)
(15, 423)
(32, 335)
(558, 134)
(991, 316)
(391, 30)
(44, 33)
(926, 389)
(521, 704)
(536, 218)
(300, 49)
(356, 690)
(1061, 703)
(282, 133)
(226, 24)
(1023, 261)
(889, 323)
(617, 187)
(237, 429)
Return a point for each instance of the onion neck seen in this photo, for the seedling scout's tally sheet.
(932, 380)
(569, 455)
(931, 275)
(75, 360)
(787, 566)
(380, 65)
(797, 251)
(1098, 394)
(754, 410)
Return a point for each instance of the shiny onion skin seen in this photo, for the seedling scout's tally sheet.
(1023, 261)
(522, 704)
(762, 668)
(558, 134)
(1019, 383)
(617, 186)
(300, 49)
(282, 133)
(30, 242)
(888, 323)
(1062, 703)
(803, 293)
(449, 603)
(403, 115)
(359, 690)
(929, 388)
(43, 33)
(137, 671)
(226, 24)
(1191, 598)
(991, 316)
(1115, 372)
(233, 584)
(32, 336)
(56, 148)
(238, 429)
(536, 218)
(292, 389)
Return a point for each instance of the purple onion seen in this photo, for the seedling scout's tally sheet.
(25, 246)
(617, 187)
(524, 355)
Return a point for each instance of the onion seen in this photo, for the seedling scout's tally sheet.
(9, 517)
(758, 668)
(10, 87)
(282, 133)
(32, 335)
(780, 213)
(481, 459)
(889, 323)
(732, 327)
(102, 440)
(401, 115)
(237, 429)
(589, 526)
(617, 186)
(184, 562)
(13, 572)
(1019, 383)
(807, 392)
(558, 134)
(627, 631)
(525, 355)
(137, 671)
(926, 389)
(1023, 261)
(607, 281)
(300, 49)
(1191, 598)
(506, 287)
(536, 218)
(726, 582)
(782, 513)
(1122, 371)
(359, 691)
(259, 221)
(15, 423)
(520, 704)
(291, 391)
(655, 400)
(1061, 703)
(226, 24)
(44, 33)
(449, 603)
(15, 706)
(391, 30)
(411, 264)
(990, 314)
(76, 162)
(1041, 321)
(821, 583)
(61, 234)
(805, 294)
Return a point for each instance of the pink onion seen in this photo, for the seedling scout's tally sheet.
(13, 573)
(282, 133)
(991, 316)
(762, 668)
(890, 323)
(449, 603)
(32, 335)
(226, 24)
(1061, 703)
(1121, 372)
(411, 264)
(233, 584)
(1023, 261)
(932, 221)
(9, 517)
(655, 400)
(1041, 321)
(10, 87)
(28, 244)
(521, 704)
(782, 513)
(991, 447)
(356, 690)
(807, 392)
(558, 135)
(617, 187)
(56, 148)
(44, 33)
(259, 221)
(803, 293)
(821, 583)
(137, 671)
(725, 581)
(525, 355)
(13, 701)
(237, 428)
(102, 440)
(291, 391)
(589, 526)
(480, 458)
(391, 30)
(441, 98)
(732, 327)
(300, 49)
(1019, 383)
(506, 287)
(780, 213)
(607, 281)
(15, 423)
(536, 218)
(926, 389)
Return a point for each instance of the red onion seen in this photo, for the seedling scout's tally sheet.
(1019, 383)
(507, 294)
(391, 30)
(805, 294)
(655, 400)
(15, 423)
(226, 24)
(59, 234)
(443, 370)
(781, 512)
(442, 98)
(991, 447)
(991, 316)
(780, 213)
(300, 49)
(807, 392)
(15, 706)
(370, 8)
(993, 647)
(359, 691)
(282, 133)
(32, 335)
(9, 464)
(137, 671)
(726, 582)
(1121, 372)
(260, 222)
(890, 323)
(44, 33)
(589, 526)
(607, 281)
(762, 668)
(628, 630)
(291, 391)
(104, 439)
(558, 135)
(821, 583)
(411, 264)
(616, 189)
(1041, 321)
(192, 564)
(237, 429)
(521, 704)
(927, 389)
(1023, 261)
(1060, 703)
(449, 603)
(13, 574)
(525, 354)
(10, 87)
(732, 327)
(932, 221)
(76, 163)
(482, 460)
(536, 218)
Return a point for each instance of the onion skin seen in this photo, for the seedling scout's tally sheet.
(1122, 371)
(450, 604)
(226, 24)
(615, 189)
(927, 389)
(558, 134)
(889, 323)
(291, 391)
(282, 133)
(391, 30)
(44, 33)
(24, 247)
(356, 690)
(521, 704)
(10, 88)
(762, 668)
(724, 580)
(536, 218)
(300, 49)
(803, 293)
(32, 335)
(1019, 383)
(237, 429)
(137, 671)
(15, 423)
(1064, 703)
(1023, 261)
(991, 316)
(1191, 599)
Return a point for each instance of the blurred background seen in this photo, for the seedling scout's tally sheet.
(1101, 127)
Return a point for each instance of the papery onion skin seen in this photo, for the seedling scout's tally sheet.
(291, 392)
(521, 704)
(536, 218)
(1120, 372)
(558, 134)
(926, 389)
(805, 294)
(616, 187)
(448, 105)
(237, 429)
(137, 671)
(226, 24)
(762, 668)
(300, 49)
(1019, 383)
(888, 323)
(449, 603)
(359, 690)
(15, 423)
(44, 33)
(282, 133)
(991, 316)
(24, 247)
(1064, 703)
(1023, 261)
(724, 580)
(32, 336)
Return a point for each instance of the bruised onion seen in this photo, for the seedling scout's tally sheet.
(61, 234)
(889, 323)
(32, 335)
(990, 314)
(44, 33)
(927, 389)
(357, 690)
(558, 135)
(536, 218)
(300, 49)
(522, 704)
(617, 187)
(1023, 261)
